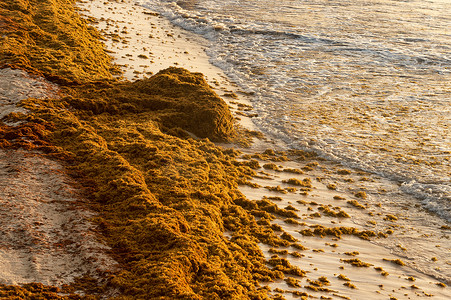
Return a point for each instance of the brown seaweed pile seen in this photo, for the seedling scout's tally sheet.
(164, 198)
(48, 37)
(174, 99)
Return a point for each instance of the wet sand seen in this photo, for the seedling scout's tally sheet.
(396, 238)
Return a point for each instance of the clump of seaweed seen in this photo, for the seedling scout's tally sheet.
(276, 227)
(395, 261)
(299, 246)
(283, 265)
(331, 186)
(268, 206)
(296, 254)
(356, 204)
(294, 171)
(319, 230)
(325, 210)
(344, 172)
(291, 221)
(276, 189)
(293, 282)
(27, 136)
(401, 247)
(341, 296)
(321, 281)
(324, 280)
(278, 296)
(356, 262)
(390, 218)
(273, 198)
(303, 295)
(302, 155)
(253, 164)
(306, 182)
(290, 207)
(269, 152)
(318, 285)
(291, 189)
(249, 183)
(163, 199)
(277, 251)
(288, 237)
(48, 38)
(343, 277)
(271, 166)
(380, 270)
(315, 215)
(187, 101)
(349, 285)
(361, 195)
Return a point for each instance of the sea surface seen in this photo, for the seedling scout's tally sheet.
(363, 82)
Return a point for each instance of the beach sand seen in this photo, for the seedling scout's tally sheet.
(143, 43)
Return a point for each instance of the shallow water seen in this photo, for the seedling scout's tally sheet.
(363, 82)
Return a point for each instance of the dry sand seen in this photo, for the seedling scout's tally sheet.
(45, 233)
(143, 43)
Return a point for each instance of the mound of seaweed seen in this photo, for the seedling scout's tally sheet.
(196, 107)
(175, 98)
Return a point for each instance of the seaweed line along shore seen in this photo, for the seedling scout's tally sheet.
(133, 168)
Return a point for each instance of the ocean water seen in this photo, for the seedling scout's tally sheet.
(363, 82)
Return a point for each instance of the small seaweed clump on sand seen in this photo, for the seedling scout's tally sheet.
(283, 265)
(319, 230)
(395, 261)
(306, 182)
(356, 262)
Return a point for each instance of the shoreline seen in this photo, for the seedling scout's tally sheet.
(202, 65)
(321, 192)
(260, 146)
